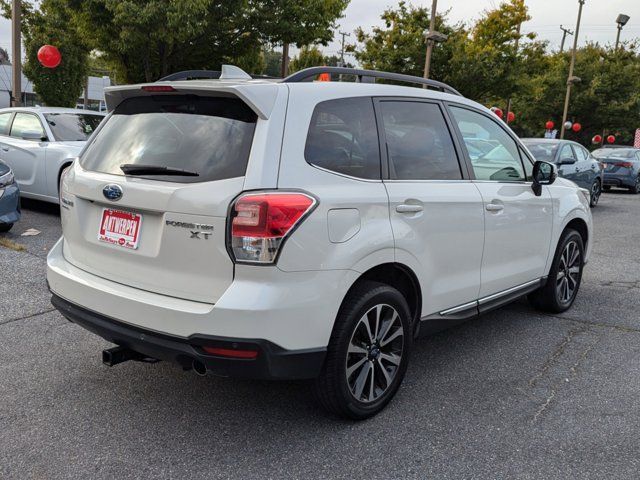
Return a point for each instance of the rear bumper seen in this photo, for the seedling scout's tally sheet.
(10, 204)
(613, 180)
(271, 363)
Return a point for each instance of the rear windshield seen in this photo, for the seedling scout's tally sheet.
(72, 127)
(545, 151)
(613, 153)
(210, 136)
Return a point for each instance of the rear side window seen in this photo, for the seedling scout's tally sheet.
(4, 123)
(581, 153)
(210, 136)
(25, 122)
(419, 144)
(343, 138)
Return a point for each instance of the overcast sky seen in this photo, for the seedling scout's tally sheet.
(598, 20)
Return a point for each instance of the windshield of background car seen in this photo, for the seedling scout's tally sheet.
(545, 152)
(210, 136)
(72, 127)
(613, 153)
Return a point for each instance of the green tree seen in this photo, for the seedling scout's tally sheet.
(50, 24)
(400, 45)
(273, 62)
(299, 22)
(309, 56)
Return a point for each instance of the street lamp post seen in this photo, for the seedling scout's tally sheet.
(571, 79)
(621, 21)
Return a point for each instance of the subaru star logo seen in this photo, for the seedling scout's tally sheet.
(112, 192)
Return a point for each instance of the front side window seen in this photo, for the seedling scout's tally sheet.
(502, 161)
(208, 137)
(72, 127)
(26, 123)
(419, 144)
(567, 153)
(343, 138)
(4, 123)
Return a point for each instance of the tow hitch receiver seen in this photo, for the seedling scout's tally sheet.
(119, 354)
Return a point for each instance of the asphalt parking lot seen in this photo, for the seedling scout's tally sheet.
(513, 394)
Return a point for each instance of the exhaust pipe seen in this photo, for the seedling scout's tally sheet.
(199, 368)
(119, 354)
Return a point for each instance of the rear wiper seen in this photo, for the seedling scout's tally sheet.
(133, 169)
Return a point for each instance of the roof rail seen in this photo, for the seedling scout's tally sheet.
(368, 76)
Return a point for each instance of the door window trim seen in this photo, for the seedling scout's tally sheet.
(386, 172)
(44, 130)
(467, 159)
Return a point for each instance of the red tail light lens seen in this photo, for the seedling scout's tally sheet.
(260, 223)
(158, 88)
(624, 164)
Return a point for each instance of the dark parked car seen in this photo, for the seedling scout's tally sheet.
(9, 198)
(621, 167)
(574, 162)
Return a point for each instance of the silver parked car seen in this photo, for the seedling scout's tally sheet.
(38, 143)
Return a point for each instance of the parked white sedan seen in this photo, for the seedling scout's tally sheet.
(38, 143)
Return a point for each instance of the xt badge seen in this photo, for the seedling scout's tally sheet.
(196, 234)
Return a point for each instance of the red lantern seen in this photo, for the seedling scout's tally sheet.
(576, 127)
(49, 56)
(549, 125)
(596, 139)
(611, 139)
(511, 117)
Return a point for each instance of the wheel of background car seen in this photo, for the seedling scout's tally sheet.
(636, 187)
(368, 352)
(563, 282)
(595, 194)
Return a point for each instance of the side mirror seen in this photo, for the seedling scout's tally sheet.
(33, 135)
(567, 161)
(544, 173)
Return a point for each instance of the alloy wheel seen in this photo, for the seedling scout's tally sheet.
(595, 193)
(375, 353)
(568, 272)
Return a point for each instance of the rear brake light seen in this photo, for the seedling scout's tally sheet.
(624, 164)
(231, 353)
(260, 223)
(158, 88)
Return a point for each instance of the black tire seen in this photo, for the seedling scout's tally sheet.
(552, 297)
(636, 188)
(366, 302)
(595, 194)
(5, 227)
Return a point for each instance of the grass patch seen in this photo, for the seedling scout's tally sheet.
(10, 244)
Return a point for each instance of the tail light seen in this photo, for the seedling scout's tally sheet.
(624, 164)
(261, 222)
(63, 196)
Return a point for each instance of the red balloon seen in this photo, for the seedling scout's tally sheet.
(611, 139)
(596, 139)
(576, 127)
(511, 117)
(498, 112)
(49, 56)
(549, 125)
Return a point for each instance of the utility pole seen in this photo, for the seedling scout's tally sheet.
(16, 51)
(509, 99)
(565, 32)
(344, 34)
(571, 79)
(430, 41)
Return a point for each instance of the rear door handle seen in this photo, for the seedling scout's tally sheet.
(494, 207)
(404, 208)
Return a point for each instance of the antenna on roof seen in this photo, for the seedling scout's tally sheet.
(231, 72)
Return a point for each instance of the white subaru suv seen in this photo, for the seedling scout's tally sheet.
(296, 229)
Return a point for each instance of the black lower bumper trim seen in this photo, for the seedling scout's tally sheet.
(272, 363)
